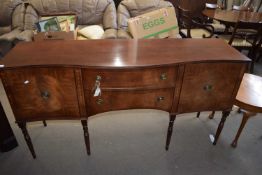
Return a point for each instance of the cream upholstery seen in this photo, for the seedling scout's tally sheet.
(237, 42)
(218, 27)
(196, 33)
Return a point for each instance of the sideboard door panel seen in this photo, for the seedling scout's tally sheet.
(36, 93)
(208, 86)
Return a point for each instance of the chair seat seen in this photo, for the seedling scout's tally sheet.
(237, 42)
(196, 33)
(218, 27)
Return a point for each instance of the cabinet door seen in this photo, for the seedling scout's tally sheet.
(42, 93)
(209, 86)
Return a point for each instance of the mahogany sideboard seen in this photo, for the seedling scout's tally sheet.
(57, 81)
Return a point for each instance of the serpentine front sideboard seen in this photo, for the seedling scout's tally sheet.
(61, 80)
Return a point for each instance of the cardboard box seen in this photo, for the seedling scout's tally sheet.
(156, 24)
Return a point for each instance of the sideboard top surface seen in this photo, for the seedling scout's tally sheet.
(120, 53)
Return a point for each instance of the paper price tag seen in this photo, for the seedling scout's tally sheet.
(97, 92)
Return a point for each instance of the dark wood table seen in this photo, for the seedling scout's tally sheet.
(232, 17)
(58, 80)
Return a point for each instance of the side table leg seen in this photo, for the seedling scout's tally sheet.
(246, 116)
(225, 114)
(22, 126)
(86, 136)
(44, 122)
(211, 115)
(198, 114)
(170, 130)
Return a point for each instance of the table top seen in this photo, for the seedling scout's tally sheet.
(249, 95)
(120, 53)
(233, 16)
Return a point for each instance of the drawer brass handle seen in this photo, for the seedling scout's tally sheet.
(159, 99)
(45, 95)
(99, 101)
(208, 87)
(163, 76)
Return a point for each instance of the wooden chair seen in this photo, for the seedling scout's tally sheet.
(245, 41)
(190, 27)
(218, 27)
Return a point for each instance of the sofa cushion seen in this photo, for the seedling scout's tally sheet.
(18, 17)
(31, 17)
(92, 32)
(5, 29)
(6, 9)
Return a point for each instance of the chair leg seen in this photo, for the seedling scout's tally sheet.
(170, 130)
(225, 114)
(22, 126)
(246, 116)
(198, 114)
(44, 122)
(86, 136)
(211, 115)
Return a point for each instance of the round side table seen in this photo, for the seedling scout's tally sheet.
(249, 99)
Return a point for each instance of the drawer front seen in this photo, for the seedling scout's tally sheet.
(208, 86)
(37, 93)
(153, 77)
(122, 99)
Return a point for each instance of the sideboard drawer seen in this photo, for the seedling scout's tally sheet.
(208, 86)
(36, 93)
(127, 99)
(128, 78)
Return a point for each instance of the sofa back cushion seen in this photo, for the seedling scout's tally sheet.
(6, 9)
(18, 17)
(87, 11)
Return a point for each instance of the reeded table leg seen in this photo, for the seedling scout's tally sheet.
(246, 116)
(44, 122)
(225, 114)
(170, 129)
(198, 114)
(86, 135)
(22, 126)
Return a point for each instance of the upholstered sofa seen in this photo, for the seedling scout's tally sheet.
(89, 12)
(132, 8)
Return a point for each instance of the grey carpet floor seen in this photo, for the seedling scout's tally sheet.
(132, 142)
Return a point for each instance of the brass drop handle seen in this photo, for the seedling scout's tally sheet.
(45, 95)
(99, 101)
(208, 87)
(163, 76)
(159, 99)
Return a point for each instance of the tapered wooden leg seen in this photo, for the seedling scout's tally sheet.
(22, 126)
(198, 114)
(211, 115)
(44, 122)
(86, 136)
(170, 130)
(246, 116)
(225, 114)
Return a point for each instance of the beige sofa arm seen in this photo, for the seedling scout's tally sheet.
(11, 36)
(122, 34)
(110, 34)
